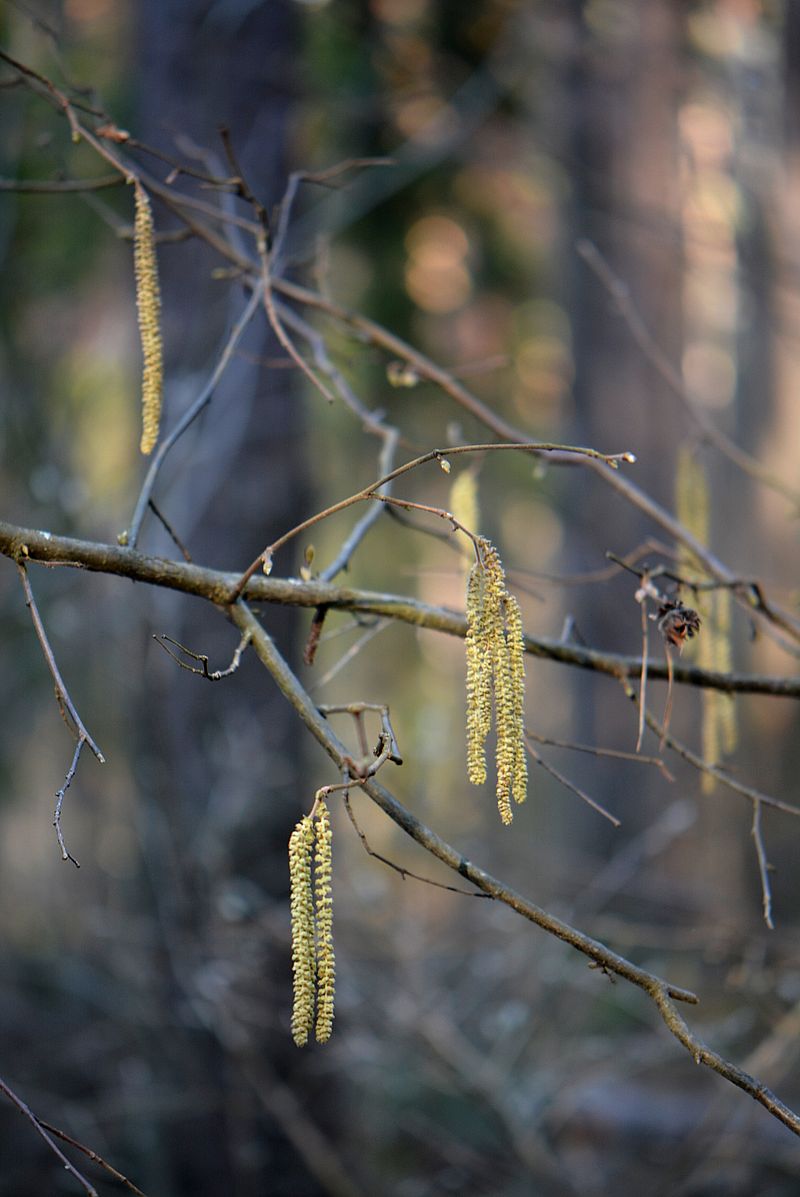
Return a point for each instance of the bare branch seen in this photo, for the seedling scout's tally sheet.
(649, 347)
(60, 186)
(217, 586)
(763, 864)
(39, 1127)
(663, 994)
(93, 1156)
(375, 334)
(189, 416)
(601, 810)
(66, 706)
(218, 674)
(376, 490)
(593, 750)
(404, 872)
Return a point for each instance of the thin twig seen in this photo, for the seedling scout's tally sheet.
(65, 705)
(376, 490)
(601, 810)
(170, 531)
(772, 616)
(40, 1130)
(651, 350)
(703, 766)
(404, 872)
(190, 415)
(352, 652)
(60, 186)
(93, 1156)
(763, 864)
(277, 327)
(342, 558)
(203, 671)
(643, 677)
(593, 750)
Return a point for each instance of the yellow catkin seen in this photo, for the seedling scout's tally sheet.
(148, 304)
(495, 670)
(719, 724)
(464, 506)
(326, 963)
(479, 679)
(302, 914)
(515, 642)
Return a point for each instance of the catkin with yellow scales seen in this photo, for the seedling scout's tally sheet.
(148, 306)
(495, 650)
(313, 961)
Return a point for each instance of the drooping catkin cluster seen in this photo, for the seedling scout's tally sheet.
(148, 305)
(719, 725)
(313, 963)
(495, 679)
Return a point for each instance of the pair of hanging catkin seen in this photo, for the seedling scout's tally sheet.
(495, 678)
(313, 963)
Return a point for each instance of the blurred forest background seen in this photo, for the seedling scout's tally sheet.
(144, 1000)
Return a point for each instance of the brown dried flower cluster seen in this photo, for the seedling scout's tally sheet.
(313, 963)
(495, 679)
(148, 304)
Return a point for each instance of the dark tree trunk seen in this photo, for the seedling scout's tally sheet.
(221, 773)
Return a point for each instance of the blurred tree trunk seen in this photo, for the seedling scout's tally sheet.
(218, 765)
(625, 201)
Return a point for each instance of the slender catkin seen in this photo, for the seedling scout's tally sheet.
(719, 716)
(495, 677)
(148, 304)
(515, 647)
(464, 506)
(479, 680)
(326, 963)
(301, 844)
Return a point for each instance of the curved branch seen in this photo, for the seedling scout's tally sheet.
(663, 994)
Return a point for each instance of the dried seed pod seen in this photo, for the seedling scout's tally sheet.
(677, 623)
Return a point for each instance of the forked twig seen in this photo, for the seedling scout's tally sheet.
(376, 490)
(66, 706)
(203, 671)
(614, 753)
(401, 869)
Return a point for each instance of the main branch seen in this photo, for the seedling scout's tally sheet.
(220, 587)
(663, 994)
